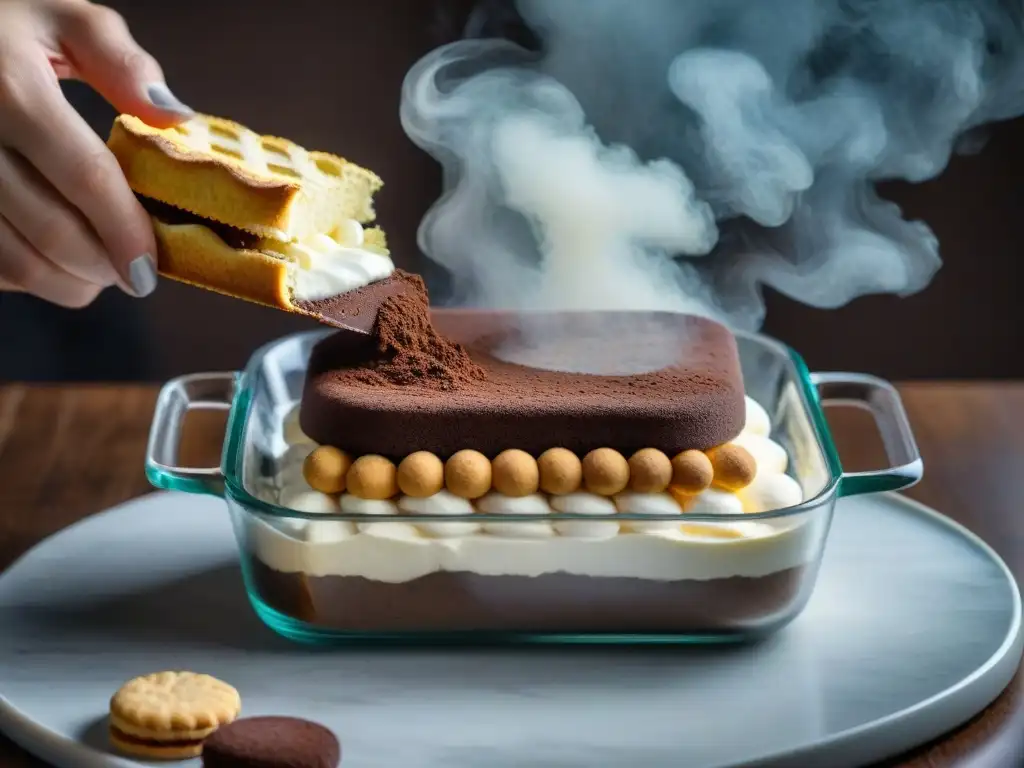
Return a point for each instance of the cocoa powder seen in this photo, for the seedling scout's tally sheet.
(410, 351)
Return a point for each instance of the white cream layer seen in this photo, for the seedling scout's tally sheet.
(326, 266)
(397, 552)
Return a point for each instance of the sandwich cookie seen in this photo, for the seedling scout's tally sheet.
(167, 715)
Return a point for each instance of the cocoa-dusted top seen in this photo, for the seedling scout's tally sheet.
(695, 400)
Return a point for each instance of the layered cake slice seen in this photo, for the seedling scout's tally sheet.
(635, 424)
(257, 217)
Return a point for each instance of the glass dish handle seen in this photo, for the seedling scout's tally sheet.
(883, 401)
(196, 391)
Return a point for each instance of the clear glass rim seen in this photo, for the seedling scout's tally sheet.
(241, 410)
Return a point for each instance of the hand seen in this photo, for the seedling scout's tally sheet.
(69, 224)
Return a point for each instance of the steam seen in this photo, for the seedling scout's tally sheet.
(681, 154)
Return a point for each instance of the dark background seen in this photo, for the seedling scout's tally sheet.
(328, 74)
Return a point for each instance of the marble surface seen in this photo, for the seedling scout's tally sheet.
(914, 627)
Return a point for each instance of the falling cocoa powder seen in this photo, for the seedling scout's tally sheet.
(410, 350)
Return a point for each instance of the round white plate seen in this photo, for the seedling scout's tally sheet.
(914, 628)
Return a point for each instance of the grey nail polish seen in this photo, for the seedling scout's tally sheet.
(160, 96)
(142, 275)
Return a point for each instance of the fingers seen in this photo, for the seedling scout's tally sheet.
(37, 123)
(98, 45)
(24, 268)
(49, 225)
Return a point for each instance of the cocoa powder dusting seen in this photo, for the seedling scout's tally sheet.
(697, 404)
(411, 351)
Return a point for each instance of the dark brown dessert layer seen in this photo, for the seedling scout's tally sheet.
(693, 397)
(556, 602)
(169, 214)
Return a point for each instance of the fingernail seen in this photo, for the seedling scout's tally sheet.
(142, 275)
(161, 97)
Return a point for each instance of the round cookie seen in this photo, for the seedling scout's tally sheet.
(561, 471)
(420, 474)
(650, 471)
(272, 742)
(325, 469)
(167, 715)
(692, 472)
(467, 474)
(734, 467)
(515, 473)
(605, 472)
(372, 477)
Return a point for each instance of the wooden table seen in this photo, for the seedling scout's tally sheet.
(68, 452)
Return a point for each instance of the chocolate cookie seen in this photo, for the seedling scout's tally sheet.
(272, 742)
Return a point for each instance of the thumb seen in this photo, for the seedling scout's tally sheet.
(103, 53)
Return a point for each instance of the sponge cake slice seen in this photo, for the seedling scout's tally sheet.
(254, 217)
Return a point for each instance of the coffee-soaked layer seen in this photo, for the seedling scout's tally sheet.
(555, 602)
(693, 399)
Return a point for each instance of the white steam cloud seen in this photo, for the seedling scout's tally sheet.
(680, 154)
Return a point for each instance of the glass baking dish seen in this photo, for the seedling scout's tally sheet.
(305, 571)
